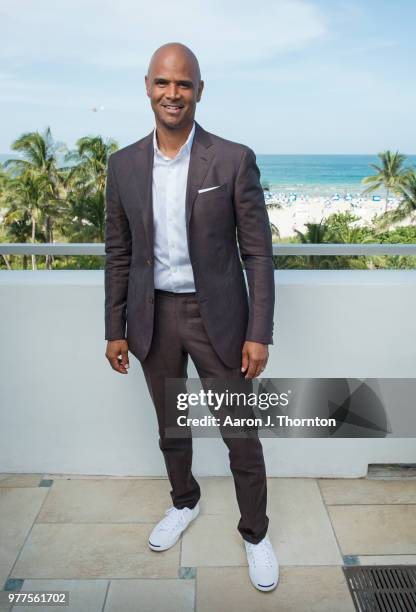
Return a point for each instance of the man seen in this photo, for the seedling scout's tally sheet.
(181, 204)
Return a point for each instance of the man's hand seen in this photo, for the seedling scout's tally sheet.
(255, 356)
(117, 355)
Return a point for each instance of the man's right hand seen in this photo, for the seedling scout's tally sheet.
(118, 356)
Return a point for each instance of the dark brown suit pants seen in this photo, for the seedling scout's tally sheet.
(179, 332)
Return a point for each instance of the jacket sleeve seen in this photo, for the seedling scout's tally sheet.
(117, 260)
(256, 250)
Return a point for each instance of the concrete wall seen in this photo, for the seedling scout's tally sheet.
(63, 410)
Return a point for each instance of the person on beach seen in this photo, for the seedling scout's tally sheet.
(182, 206)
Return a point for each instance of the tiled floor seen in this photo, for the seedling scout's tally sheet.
(88, 535)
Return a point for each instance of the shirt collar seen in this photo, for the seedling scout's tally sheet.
(185, 148)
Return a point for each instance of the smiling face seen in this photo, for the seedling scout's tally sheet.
(174, 86)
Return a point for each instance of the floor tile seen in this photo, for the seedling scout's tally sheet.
(363, 491)
(18, 510)
(106, 501)
(300, 589)
(4, 571)
(218, 496)
(151, 596)
(300, 528)
(75, 551)
(375, 530)
(5, 607)
(213, 540)
(21, 480)
(84, 595)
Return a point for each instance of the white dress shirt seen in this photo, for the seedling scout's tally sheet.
(173, 270)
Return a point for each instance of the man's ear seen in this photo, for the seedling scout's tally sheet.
(147, 84)
(200, 90)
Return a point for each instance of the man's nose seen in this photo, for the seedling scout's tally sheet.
(172, 91)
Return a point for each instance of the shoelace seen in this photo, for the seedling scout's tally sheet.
(260, 554)
(174, 519)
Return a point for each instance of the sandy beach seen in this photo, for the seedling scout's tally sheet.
(288, 214)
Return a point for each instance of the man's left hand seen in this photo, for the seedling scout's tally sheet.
(254, 359)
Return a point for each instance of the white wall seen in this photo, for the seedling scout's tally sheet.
(63, 410)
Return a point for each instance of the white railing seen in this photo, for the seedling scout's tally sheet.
(9, 248)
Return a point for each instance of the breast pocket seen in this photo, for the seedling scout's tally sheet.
(214, 211)
(212, 194)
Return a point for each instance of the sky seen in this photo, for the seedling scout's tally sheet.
(282, 76)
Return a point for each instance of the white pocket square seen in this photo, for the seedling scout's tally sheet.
(208, 189)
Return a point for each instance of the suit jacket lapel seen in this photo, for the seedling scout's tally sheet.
(143, 178)
(199, 163)
(200, 160)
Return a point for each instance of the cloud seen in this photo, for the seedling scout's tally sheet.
(120, 35)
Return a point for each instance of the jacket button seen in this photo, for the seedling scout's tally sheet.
(149, 262)
(151, 300)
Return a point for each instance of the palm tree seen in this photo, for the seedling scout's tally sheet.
(27, 206)
(86, 188)
(352, 235)
(390, 174)
(91, 157)
(316, 233)
(18, 230)
(40, 156)
(84, 221)
(407, 206)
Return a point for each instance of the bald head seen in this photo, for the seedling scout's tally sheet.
(174, 53)
(174, 86)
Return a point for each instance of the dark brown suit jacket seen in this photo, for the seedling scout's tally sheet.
(215, 220)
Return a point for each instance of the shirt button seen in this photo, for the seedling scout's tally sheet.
(149, 262)
(151, 300)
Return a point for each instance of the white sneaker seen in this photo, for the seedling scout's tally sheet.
(167, 531)
(263, 565)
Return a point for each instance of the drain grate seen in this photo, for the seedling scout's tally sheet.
(382, 588)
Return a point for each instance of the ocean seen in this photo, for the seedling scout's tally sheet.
(314, 175)
(317, 175)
